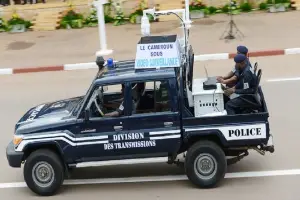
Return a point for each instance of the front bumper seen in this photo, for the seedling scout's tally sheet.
(14, 158)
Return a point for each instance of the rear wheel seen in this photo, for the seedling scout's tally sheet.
(205, 164)
(44, 172)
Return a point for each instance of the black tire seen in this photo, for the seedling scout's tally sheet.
(50, 159)
(212, 154)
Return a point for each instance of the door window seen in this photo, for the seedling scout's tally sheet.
(150, 97)
(107, 99)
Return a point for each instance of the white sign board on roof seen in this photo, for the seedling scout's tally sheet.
(157, 55)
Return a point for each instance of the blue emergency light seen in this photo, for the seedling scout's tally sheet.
(110, 63)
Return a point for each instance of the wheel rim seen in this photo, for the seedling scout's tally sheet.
(43, 174)
(205, 166)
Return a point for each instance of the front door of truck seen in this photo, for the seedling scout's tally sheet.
(100, 137)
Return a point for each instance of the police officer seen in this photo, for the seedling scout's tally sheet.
(244, 50)
(246, 85)
(232, 77)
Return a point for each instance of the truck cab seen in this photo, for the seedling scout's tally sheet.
(147, 127)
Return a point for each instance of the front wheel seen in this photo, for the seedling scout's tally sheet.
(205, 164)
(44, 172)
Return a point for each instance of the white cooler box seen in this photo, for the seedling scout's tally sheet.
(207, 102)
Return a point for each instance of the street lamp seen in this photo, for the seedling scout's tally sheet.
(101, 28)
(187, 14)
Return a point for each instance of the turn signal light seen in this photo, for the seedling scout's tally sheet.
(17, 140)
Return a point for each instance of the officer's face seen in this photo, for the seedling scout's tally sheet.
(240, 65)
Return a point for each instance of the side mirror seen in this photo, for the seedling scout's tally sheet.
(87, 114)
(105, 88)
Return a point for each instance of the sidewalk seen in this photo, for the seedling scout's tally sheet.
(263, 31)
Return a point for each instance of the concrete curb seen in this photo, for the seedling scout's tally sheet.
(92, 65)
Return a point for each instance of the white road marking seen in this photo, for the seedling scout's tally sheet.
(218, 56)
(283, 79)
(6, 71)
(90, 65)
(77, 66)
(292, 51)
(160, 178)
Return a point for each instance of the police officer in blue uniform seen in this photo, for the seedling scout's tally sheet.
(246, 85)
(232, 77)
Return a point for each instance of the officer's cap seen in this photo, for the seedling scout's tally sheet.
(242, 49)
(239, 58)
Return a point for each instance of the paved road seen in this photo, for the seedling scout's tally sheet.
(247, 189)
(20, 92)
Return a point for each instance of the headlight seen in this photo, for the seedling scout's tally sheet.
(17, 140)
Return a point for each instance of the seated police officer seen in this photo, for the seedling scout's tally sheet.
(120, 110)
(239, 98)
(232, 77)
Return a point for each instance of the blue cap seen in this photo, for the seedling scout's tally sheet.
(110, 62)
(239, 58)
(242, 49)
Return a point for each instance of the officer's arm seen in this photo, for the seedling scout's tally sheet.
(229, 75)
(233, 79)
(112, 114)
(246, 84)
(239, 84)
(116, 113)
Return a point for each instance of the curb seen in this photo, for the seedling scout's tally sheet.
(92, 65)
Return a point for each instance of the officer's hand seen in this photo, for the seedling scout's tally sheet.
(220, 79)
(229, 91)
(223, 87)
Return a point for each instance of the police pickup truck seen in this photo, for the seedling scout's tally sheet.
(159, 115)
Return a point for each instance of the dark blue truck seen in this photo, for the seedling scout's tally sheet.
(154, 123)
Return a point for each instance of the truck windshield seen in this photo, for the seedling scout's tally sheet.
(97, 95)
(104, 88)
(77, 107)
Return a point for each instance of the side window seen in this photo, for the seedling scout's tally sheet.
(150, 97)
(106, 99)
(109, 89)
(113, 98)
(162, 101)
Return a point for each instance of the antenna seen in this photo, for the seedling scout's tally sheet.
(206, 71)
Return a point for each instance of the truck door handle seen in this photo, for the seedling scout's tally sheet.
(168, 123)
(118, 127)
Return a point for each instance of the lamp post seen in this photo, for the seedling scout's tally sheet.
(101, 28)
(187, 14)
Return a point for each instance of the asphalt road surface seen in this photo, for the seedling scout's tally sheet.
(21, 92)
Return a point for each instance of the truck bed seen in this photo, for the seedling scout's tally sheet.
(222, 127)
